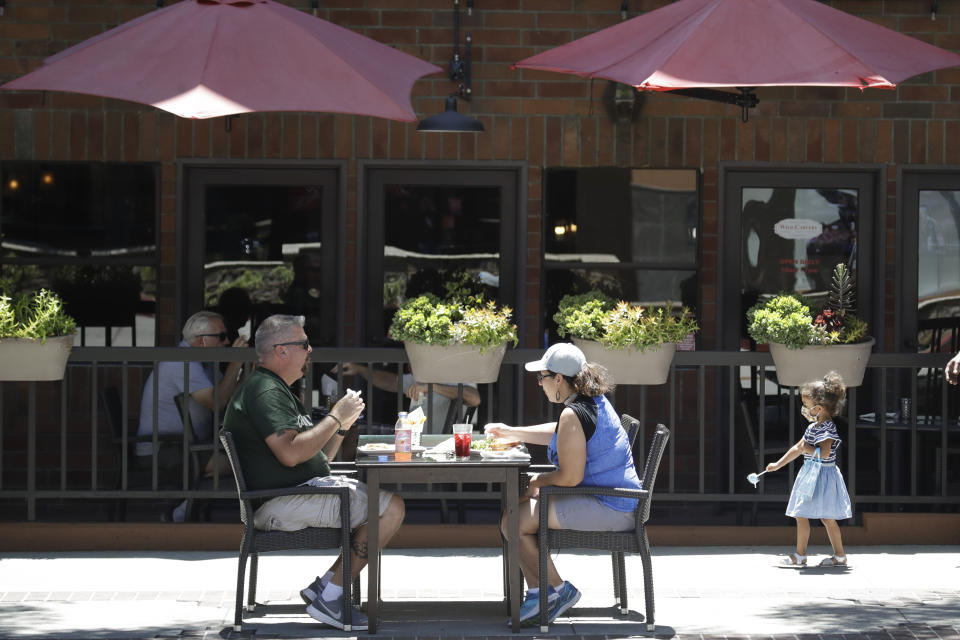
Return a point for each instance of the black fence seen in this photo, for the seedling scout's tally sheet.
(68, 449)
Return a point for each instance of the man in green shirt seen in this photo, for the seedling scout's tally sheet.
(279, 445)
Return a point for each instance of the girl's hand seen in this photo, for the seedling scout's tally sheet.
(772, 466)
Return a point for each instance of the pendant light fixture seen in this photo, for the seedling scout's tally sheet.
(451, 120)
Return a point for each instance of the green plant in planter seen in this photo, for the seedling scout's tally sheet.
(789, 319)
(582, 315)
(428, 320)
(621, 325)
(37, 316)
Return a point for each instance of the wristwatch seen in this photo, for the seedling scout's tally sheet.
(343, 432)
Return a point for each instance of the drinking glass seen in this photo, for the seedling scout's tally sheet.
(462, 434)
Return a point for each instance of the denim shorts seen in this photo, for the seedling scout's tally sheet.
(292, 513)
(588, 513)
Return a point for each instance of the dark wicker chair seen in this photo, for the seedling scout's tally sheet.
(255, 542)
(632, 426)
(617, 542)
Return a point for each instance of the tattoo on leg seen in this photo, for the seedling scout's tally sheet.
(360, 549)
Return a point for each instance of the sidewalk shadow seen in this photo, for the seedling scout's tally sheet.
(823, 571)
(451, 619)
(608, 621)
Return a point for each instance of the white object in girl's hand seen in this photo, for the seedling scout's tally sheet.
(753, 478)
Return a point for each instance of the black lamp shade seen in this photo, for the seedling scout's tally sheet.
(450, 120)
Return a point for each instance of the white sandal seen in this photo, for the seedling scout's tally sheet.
(794, 560)
(834, 561)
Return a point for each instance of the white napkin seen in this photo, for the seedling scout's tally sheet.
(328, 386)
(416, 419)
(447, 446)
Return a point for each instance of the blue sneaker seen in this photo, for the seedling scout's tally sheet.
(310, 593)
(530, 607)
(567, 596)
(331, 612)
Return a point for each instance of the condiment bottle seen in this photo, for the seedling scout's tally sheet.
(403, 438)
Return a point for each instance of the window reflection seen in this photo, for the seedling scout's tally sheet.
(82, 209)
(657, 210)
(86, 230)
(435, 232)
(631, 233)
(793, 238)
(938, 276)
(266, 241)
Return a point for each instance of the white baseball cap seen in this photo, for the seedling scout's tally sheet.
(562, 357)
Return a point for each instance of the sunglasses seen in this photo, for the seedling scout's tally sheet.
(220, 336)
(303, 344)
(541, 375)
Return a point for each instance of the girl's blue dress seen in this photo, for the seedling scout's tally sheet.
(830, 498)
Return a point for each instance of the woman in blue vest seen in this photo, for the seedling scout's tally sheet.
(589, 448)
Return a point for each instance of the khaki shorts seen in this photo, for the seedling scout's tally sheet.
(587, 513)
(292, 513)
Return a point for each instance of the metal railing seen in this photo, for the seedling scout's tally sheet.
(60, 443)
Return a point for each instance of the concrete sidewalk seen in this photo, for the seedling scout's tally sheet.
(896, 592)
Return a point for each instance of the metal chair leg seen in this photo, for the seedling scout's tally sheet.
(241, 570)
(252, 590)
(616, 578)
(622, 582)
(647, 579)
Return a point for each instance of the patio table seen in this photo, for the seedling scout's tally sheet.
(383, 468)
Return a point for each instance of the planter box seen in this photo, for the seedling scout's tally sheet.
(798, 366)
(26, 359)
(630, 366)
(456, 363)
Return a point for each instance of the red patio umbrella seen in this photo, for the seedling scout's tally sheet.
(745, 43)
(207, 58)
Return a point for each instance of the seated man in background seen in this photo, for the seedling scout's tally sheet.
(444, 395)
(202, 329)
(279, 445)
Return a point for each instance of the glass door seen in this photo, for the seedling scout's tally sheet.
(785, 229)
(426, 226)
(263, 240)
(930, 249)
(929, 316)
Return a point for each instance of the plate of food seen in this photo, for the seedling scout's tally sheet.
(513, 452)
(374, 448)
(499, 448)
(495, 444)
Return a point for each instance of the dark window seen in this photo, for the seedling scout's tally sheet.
(633, 233)
(89, 232)
(264, 241)
(428, 224)
(79, 209)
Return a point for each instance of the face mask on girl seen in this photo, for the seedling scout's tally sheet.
(808, 413)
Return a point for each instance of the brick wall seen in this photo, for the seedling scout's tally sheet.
(541, 118)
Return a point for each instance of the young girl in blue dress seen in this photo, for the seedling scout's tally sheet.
(822, 399)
